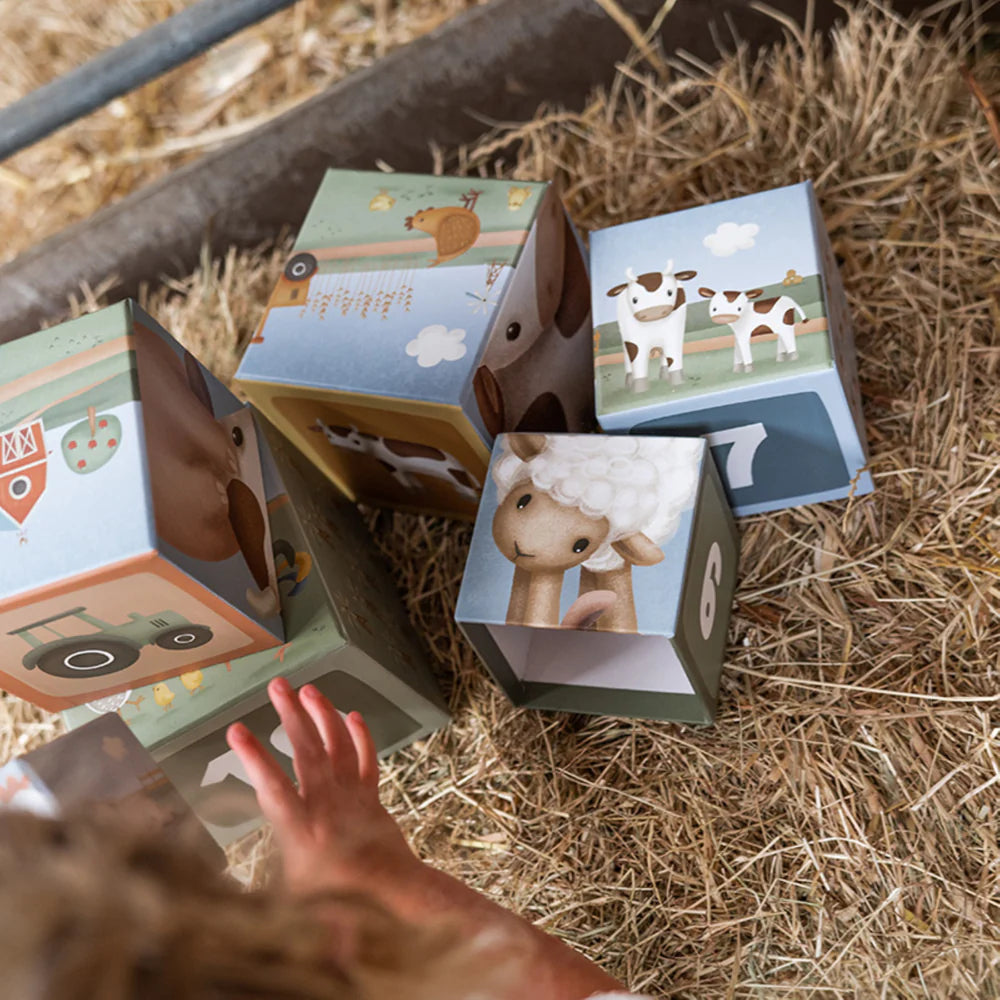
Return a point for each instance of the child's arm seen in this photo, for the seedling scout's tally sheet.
(334, 834)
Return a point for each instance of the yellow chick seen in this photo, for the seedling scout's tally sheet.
(516, 197)
(193, 680)
(163, 695)
(382, 202)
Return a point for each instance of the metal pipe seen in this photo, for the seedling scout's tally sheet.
(125, 67)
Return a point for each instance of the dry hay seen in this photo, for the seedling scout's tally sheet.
(834, 834)
(253, 77)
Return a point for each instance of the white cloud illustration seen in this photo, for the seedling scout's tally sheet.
(436, 343)
(730, 237)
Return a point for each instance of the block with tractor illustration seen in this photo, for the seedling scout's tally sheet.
(134, 540)
(601, 574)
(346, 631)
(730, 321)
(416, 318)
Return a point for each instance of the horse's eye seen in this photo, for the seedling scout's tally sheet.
(523, 501)
(513, 330)
(238, 437)
(581, 544)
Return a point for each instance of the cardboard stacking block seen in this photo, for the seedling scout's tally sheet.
(416, 318)
(729, 320)
(601, 574)
(100, 764)
(346, 632)
(134, 541)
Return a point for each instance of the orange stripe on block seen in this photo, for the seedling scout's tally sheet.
(501, 238)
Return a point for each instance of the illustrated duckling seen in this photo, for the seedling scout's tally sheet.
(516, 197)
(163, 696)
(382, 202)
(193, 680)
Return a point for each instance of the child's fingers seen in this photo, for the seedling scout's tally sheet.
(364, 746)
(309, 758)
(278, 799)
(339, 744)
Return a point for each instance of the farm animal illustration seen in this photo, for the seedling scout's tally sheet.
(192, 681)
(536, 371)
(404, 460)
(516, 197)
(382, 202)
(652, 313)
(163, 696)
(604, 503)
(774, 315)
(207, 484)
(292, 567)
(110, 648)
(454, 228)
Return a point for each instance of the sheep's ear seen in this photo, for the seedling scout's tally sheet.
(685, 275)
(638, 550)
(617, 290)
(754, 292)
(526, 446)
(706, 293)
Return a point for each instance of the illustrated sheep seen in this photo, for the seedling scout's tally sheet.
(652, 313)
(603, 503)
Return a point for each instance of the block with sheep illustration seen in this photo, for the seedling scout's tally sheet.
(729, 320)
(601, 574)
(416, 318)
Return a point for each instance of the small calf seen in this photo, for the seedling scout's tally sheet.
(775, 315)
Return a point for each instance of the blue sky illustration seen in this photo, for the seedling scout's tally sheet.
(369, 355)
(784, 240)
(489, 574)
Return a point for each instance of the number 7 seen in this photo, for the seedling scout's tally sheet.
(745, 441)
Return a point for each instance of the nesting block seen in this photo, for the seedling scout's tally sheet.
(601, 574)
(346, 632)
(134, 540)
(416, 318)
(730, 321)
(99, 764)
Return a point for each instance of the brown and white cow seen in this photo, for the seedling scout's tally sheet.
(404, 459)
(755, 319)
(652, 313)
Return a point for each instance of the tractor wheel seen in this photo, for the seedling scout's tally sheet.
(184, 637)
(90, 657)
(301, 266)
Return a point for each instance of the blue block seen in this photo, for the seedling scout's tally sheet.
(730, 321)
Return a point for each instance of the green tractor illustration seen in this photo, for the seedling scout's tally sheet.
(111, 648)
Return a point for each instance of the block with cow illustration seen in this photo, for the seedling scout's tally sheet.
(134, 540)
(729, 320)
(346, 631)
(416, 318)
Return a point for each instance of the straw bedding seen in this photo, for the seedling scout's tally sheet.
(834, 834)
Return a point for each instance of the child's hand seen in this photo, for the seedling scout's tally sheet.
(332, 830)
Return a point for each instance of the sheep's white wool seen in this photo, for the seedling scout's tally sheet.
(637, 483)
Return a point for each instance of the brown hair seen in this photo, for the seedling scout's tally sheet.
(91, 907)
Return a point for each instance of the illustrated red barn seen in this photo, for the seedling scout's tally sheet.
(23, 462)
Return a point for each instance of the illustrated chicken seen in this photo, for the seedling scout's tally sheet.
(163, 696)
(455, 230)
(193, 680)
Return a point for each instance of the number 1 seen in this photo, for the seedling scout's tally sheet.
(745, 441)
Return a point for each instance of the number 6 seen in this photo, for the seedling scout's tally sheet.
(712, 579)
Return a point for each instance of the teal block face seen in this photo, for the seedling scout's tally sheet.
(745, 338)
(576, 594)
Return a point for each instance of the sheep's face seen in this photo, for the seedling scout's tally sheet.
(542, 536)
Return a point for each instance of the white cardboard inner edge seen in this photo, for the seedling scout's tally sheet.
(592, 659)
